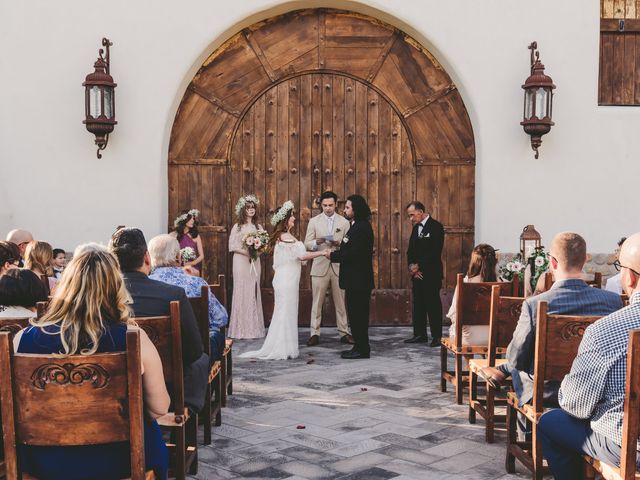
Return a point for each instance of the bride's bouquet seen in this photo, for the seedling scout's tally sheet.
(256, 243)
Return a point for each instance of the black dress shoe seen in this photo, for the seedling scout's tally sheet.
(435, 342)
(353, 354)
(418, 339)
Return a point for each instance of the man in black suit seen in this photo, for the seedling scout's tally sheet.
(424, 257)
(151, 298)
(356, 273)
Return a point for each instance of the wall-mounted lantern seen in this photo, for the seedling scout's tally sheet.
(99, 100)
(538, 101)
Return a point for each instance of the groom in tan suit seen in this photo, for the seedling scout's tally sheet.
(323, 232)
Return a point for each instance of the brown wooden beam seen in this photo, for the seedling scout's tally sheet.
(437, 95)
(630, 25)
(375, 68)
(260, 54)
(199, 161)
(214, 100)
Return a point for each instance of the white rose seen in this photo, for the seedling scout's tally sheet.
(539, 261)
(517, 266)
(510, 267)
(249, 241)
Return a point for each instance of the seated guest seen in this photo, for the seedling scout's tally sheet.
(38, 257)
(482, 268)
(21, 238)
(569, 295)
(9, 256)
(592, 395)
(59, 261)
(87, 315)
(165, 262)
(151, 298)
(20, 291)
(613, 283)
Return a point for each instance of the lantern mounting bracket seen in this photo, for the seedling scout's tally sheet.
(105, 56)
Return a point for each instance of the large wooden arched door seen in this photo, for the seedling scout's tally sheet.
(323, 99)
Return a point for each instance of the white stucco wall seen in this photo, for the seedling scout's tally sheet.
(52, 183)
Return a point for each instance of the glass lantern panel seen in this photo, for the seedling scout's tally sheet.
(528, 103)
(541, 103)
(95, 94)
(108, 102)
(529, 247)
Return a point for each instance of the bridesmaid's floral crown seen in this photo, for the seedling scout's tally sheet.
(242, 201)
(282, 213)
(183, 218)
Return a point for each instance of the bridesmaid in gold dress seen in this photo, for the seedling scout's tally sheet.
(246, 320)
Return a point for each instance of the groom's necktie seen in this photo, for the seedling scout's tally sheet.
(330, 224)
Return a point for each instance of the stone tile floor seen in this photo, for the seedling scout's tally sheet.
(370, 419)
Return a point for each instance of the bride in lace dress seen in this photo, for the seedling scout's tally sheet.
(288, 254)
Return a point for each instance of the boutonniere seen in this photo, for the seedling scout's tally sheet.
(338, 230)
(422, 235)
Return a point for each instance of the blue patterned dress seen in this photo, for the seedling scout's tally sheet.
(95, 462)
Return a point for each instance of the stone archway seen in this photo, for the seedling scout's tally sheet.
(317, 99)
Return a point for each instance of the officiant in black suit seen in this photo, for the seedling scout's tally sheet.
(356, 273)
(424, 257)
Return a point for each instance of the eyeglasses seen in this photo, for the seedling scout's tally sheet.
(618, 266)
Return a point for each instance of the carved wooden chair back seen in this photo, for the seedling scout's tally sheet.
(200, 306)
(474, 302)
(597, 280)
(625, 299)
(557, 340)
(503, 318)
(13, 325)
(52, 400)
(164, 332)
(631, 419)
(219, 289)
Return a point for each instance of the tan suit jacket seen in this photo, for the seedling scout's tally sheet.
(317, 228)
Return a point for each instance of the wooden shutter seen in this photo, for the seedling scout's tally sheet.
(619, 79)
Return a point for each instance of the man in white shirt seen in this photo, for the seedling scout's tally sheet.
(613, 283)
(324, 231)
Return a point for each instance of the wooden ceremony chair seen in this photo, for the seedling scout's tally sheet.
(213, 400)
(164, 333)
(11, 326)
(472, 308)
(630, 423)
(625, 299)
(505, 312)
(557, 340)
(45, 396)
(219, 289)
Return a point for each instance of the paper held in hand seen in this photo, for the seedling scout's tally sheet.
(328, 238)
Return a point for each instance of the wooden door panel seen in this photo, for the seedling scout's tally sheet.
(322, 99)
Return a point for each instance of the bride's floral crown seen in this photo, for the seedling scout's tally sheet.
(183, 218)
(242, 201)
(282, 213)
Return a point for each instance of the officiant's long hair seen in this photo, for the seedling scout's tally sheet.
(280, 228)
(483, 262)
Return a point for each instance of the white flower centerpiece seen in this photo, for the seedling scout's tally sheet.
(517, 265)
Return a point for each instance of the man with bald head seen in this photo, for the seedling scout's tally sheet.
(592, 395)
(21, 238)
(569, 295)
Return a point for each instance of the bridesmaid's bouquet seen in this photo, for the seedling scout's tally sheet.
(256, 243)
(187, 254)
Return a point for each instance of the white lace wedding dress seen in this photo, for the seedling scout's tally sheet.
(282, 339)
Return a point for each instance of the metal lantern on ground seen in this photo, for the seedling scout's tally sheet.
(99, 100)
(538, 101)
(530, 240)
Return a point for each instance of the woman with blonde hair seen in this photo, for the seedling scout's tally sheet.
(246, 319)
(482, 268)
(38, 257)
(89, 314)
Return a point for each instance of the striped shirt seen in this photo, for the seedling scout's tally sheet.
(595, 387)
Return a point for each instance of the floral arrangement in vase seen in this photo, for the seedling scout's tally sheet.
(517, 266)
